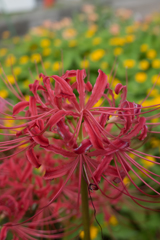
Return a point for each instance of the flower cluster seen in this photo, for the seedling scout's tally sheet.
(96, 140)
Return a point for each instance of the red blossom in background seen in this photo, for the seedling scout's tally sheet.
(92, 141)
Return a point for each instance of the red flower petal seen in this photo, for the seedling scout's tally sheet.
(98, 89)
(20, 107)
(32, 158)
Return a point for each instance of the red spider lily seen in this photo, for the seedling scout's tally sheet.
(59, 122)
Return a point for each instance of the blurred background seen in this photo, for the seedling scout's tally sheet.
(91, 35)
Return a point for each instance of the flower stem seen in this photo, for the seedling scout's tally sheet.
(85, 210)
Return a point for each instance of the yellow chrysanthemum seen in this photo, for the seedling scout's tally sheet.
(9, 123)
(46, 52)
(57, 42)
(129, 63)
(151, 54)
(84, 63)
(130, 38)
(96, 41)
(35, 57)
(3, 52)
(47, 64)
(156, 63)
(44, 43)
(117, 41)
(97, 55)
(113, 220)
(17, 71)
(144, 65)
(117, 51)
(11, 79)
(156, 78)
(148, 164)
(104, 65)
(3, 93)
(16, 40)
(144, 47)
(72, 43)
(56, 66)
(93, 232)
(140, 77)
(10, 60)
(5, 34)
(24, 59)
(89, 33)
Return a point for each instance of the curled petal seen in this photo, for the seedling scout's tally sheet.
(98, 89)
(81, 87)
(84, 146)
(120, 87)
(20, 107)
(32, 158)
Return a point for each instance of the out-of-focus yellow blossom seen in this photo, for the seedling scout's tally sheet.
(3, 93)
(56, 66)
(72, 43)
(113, 220)
(84, 63)
(3, 52)
(98, 104)
(151, 54)
(89, 33)
(153, 93)
(36, 57)
(46, 52)
(5, 34)
(24, 59)
(69, 33)
(16, 40)
(156, 63)
(126, 181)
(115, 82)
(130, 29)
(156, 78)
(17, 71)
(144, 65)
(26, 83)
(155, 142)
(154, 120)
(27, 97)
(97, 55)
(45, 43)
(144, 47)
(93, 233)
(47, 64)
(10, 60)
(129, 63)
(96, 41)
(10, 78)
(140, 77)
(9, 123)
(130, 38)
(92, 30)
(117, 41)
(147, 163)
(117, 51)
(73, 79)
(104, 65)
(57, 42)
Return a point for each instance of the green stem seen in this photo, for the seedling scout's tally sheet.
(85, 209)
